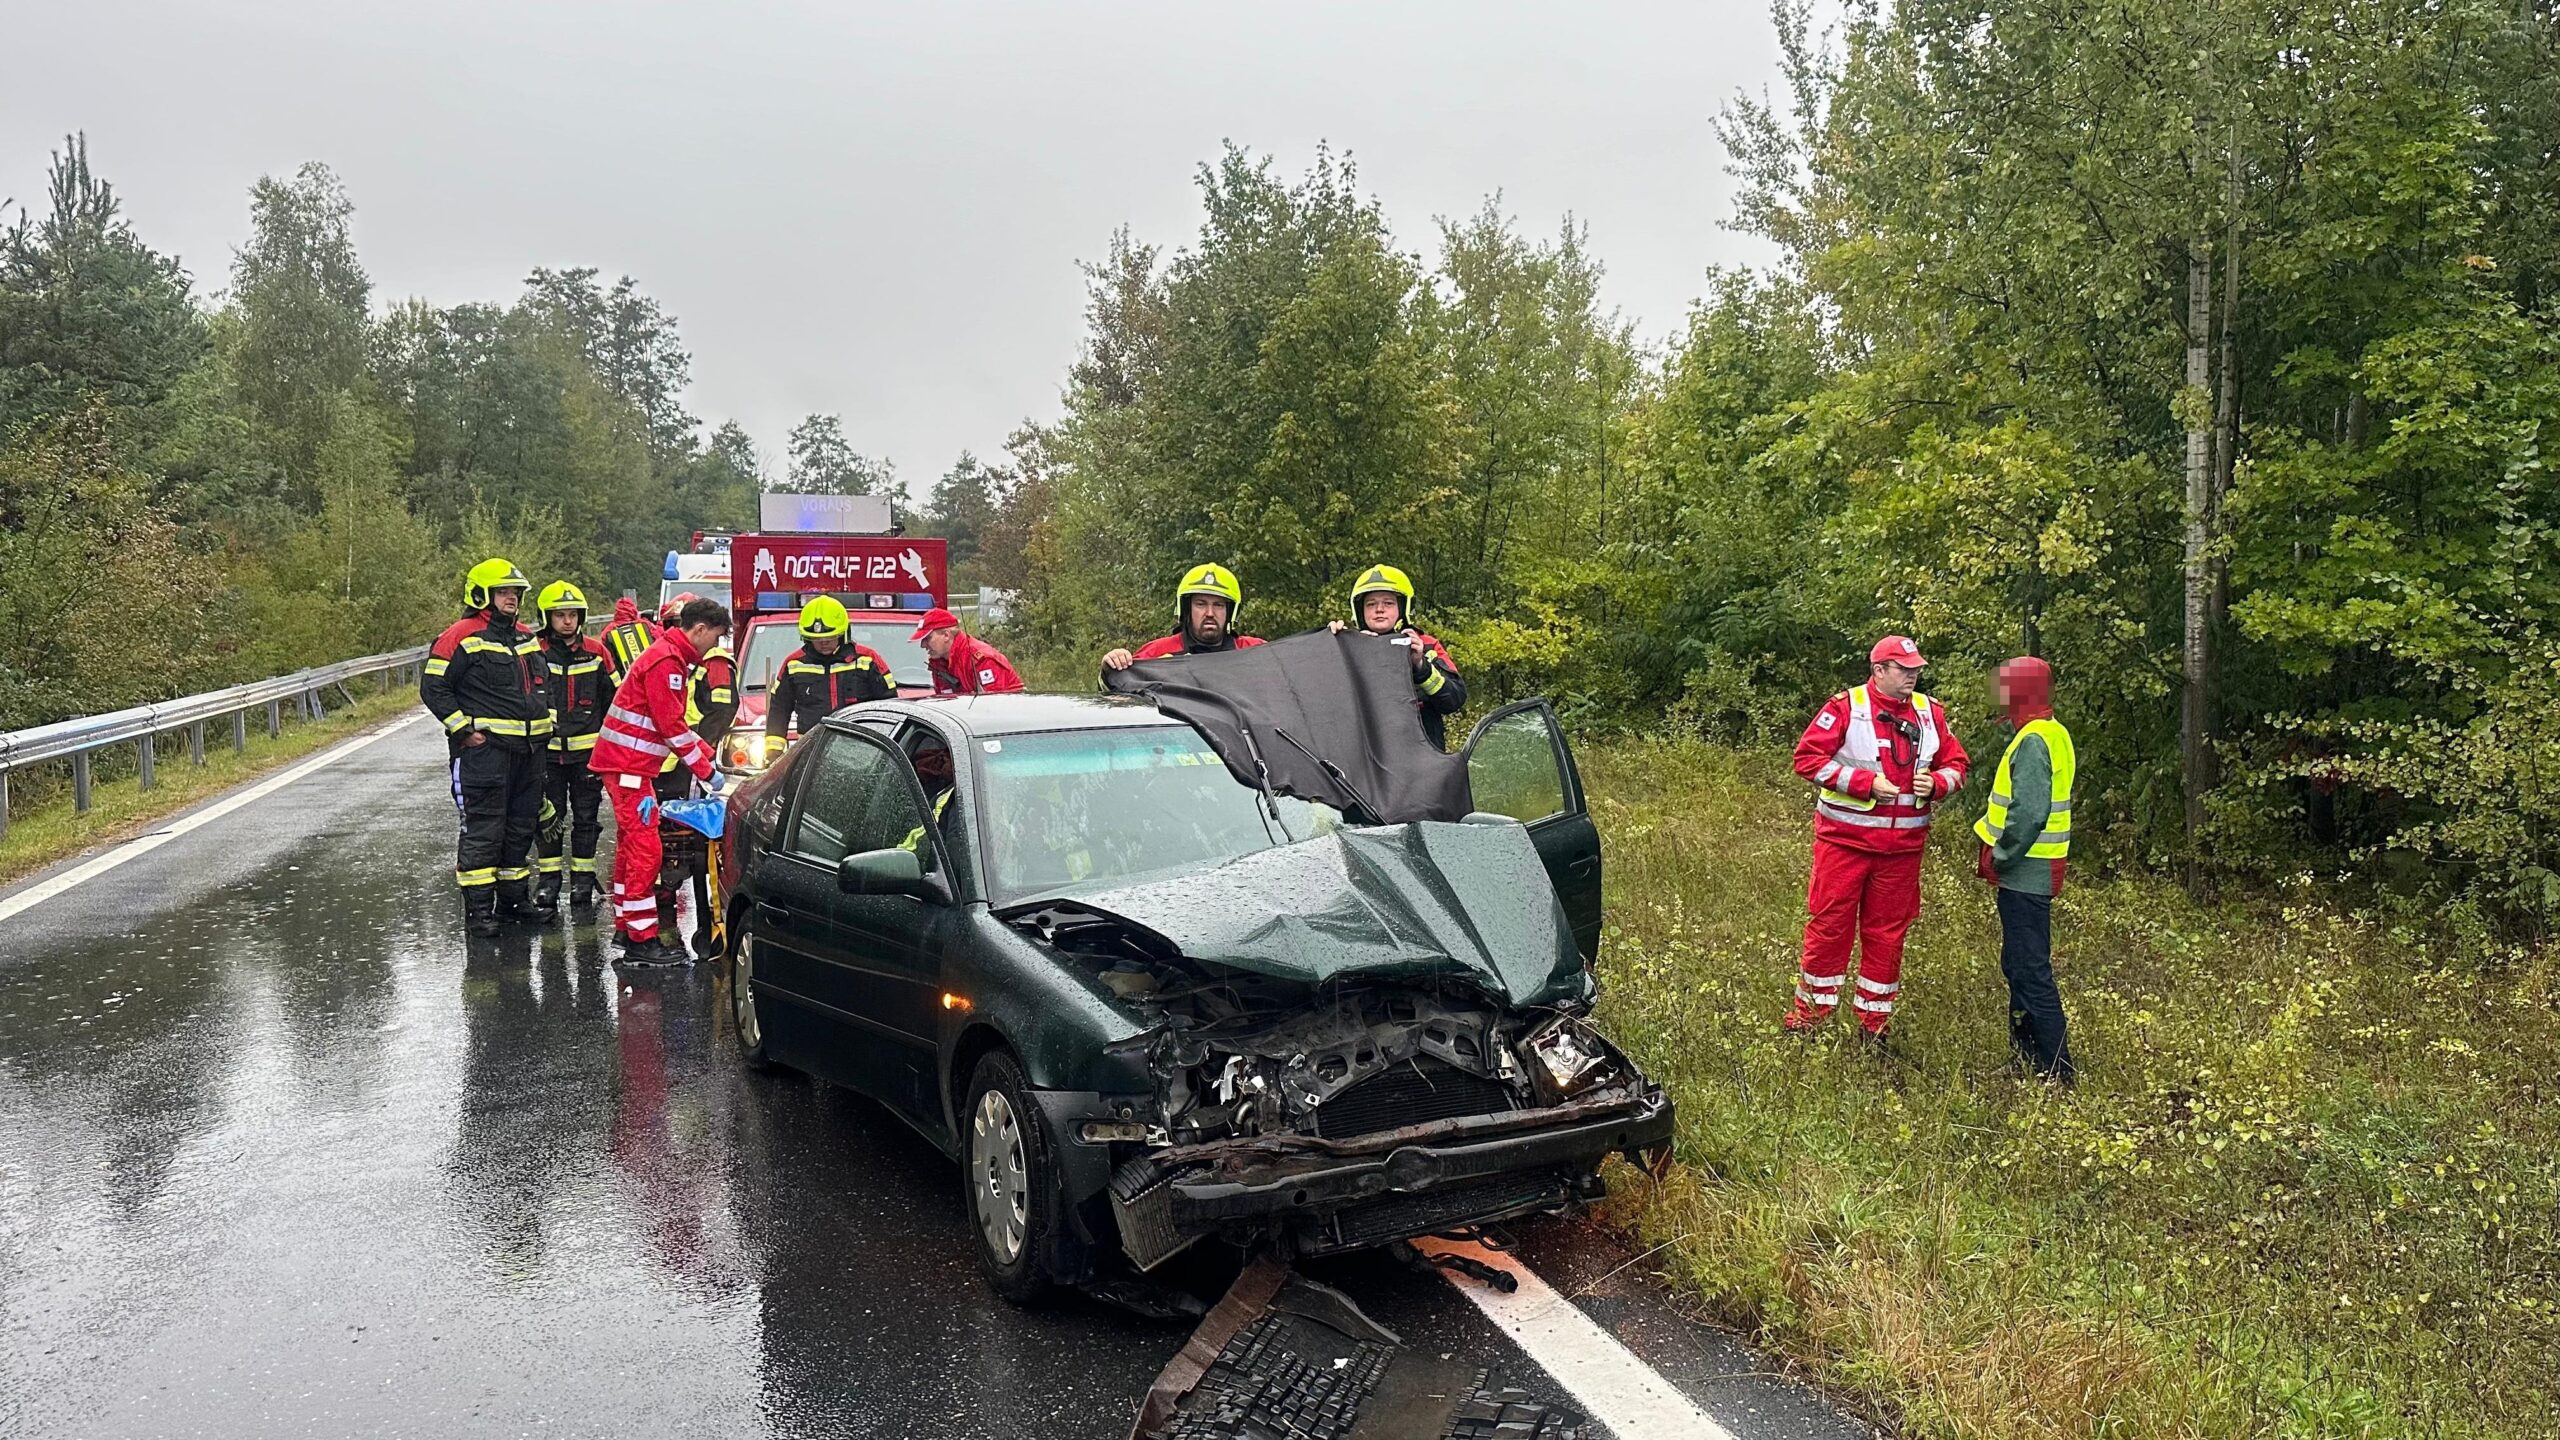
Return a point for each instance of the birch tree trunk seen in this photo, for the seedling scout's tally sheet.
(2197, 408)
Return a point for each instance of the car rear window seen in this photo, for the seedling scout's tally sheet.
(1079, 809)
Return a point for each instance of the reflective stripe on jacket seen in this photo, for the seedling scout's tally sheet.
(711, 700)
(808, 687)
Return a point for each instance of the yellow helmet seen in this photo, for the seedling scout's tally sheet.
(1387, 578)
(824, 618)
(561, 595)
(489, 577)
(1209, 579)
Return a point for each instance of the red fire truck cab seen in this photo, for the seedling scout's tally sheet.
(885, 582)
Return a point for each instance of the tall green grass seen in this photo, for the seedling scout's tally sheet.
(2306, 1186)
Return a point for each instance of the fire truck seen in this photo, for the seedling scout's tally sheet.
(885, 582)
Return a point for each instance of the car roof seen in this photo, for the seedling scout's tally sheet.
(1022, 712)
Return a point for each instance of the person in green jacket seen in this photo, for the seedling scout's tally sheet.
(2025, 835)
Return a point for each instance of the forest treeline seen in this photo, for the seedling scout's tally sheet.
(197, 489)
(2207, 351)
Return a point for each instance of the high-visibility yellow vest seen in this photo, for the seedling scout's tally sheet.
(693, 693)
(2055, 841)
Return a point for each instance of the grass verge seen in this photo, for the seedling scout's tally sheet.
(47, 830)
(2305, 1188)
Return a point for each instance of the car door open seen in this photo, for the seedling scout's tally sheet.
(1519, 766)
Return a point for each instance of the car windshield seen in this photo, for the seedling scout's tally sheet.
(1079, 809)
(767, 644)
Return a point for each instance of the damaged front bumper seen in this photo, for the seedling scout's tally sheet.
(1315, 1196)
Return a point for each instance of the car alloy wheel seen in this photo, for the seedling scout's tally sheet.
(999, 1178)
(742, 1002)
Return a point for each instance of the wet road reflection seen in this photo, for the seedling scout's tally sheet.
(279, 1156)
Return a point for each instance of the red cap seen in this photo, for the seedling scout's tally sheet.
(1899, 650)
(934, 620)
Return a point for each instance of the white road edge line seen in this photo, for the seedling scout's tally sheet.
(39, 893)
(1619, 1390)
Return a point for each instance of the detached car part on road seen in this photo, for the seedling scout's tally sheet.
(1143, 1003)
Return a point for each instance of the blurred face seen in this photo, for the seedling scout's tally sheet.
(567, 622)
(937, 643)
(702, 637)
(506, 602)
(1892, 680)
(2000, 688)
(1207, 620)
(826, 644)
(1381, 611)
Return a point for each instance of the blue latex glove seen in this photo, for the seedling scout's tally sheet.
(649, 809)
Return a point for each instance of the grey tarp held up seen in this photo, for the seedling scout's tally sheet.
(1310, 702)
(1395, 902)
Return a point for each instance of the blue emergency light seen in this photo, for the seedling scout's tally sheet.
(915, 600)
(671, 565)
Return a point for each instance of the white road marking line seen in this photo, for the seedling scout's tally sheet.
(37, 894)
(1619, 1390)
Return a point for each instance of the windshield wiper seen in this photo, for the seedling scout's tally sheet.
(1262, 775)
(1332, 772)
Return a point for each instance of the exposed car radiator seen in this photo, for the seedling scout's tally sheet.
(1412, 1093)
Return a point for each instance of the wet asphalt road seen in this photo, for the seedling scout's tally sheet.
(280, 1156)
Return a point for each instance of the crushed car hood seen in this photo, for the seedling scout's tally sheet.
(1415, 901)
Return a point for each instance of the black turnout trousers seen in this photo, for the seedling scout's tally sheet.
(498, 789)
(577, 791)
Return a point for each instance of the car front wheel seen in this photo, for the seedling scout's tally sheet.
(742, 1002)
(1010, 1181)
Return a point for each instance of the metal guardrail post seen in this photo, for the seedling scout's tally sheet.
(148, 754)
(80, 783)
(195, 742)
(239, 730)
(4, 804)
(275, 718)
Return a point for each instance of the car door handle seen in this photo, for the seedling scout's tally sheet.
(1583, 864)
(771, 911)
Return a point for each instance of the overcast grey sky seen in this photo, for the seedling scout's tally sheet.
(876, 209)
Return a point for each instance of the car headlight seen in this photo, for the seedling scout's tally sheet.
(746, 750)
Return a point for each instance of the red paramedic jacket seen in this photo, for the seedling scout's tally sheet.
(1820, 746)
(645, 723)
(974, 667)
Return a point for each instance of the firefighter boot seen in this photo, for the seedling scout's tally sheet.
(515, 904)
(480, 911)
(546, 892)
(582, 892)
(1803, 1018)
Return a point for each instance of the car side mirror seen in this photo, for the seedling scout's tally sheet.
(893, 871)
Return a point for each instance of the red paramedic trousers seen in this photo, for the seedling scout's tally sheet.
(636, 858)
(1869, 898)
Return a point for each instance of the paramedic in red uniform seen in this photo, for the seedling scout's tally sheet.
(1204, 619)
(962, 664)
(1881, 757)
(642, 727)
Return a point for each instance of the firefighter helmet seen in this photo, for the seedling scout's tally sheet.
(488, 578)
(1384, 579)
(561, 595)
(824, 619)
(1209, 579)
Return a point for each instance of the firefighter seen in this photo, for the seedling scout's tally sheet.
(2025, 835)
(961, 663)
(481, 682)
(1880, 756)
(576, 683)
(711, 705)
(627, 637)
(668, 611)
(1205, 606)
(1382, 603)
(642, 727)
(829, 671)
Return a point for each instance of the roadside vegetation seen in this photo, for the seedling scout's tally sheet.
(44, 829)
(2306, 1186)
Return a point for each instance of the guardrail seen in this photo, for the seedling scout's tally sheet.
(143, 725)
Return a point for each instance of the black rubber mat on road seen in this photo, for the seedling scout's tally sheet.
(1296, 1360)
